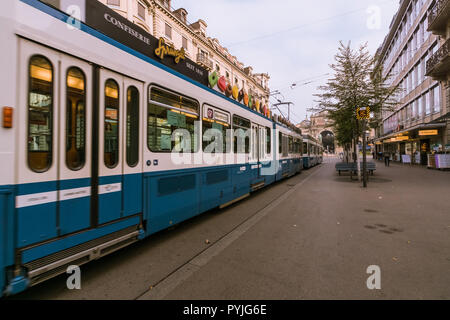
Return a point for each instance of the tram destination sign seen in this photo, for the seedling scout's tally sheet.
(113, 25)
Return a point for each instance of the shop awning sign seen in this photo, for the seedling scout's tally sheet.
(428, 132)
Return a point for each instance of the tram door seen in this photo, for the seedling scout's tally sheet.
(119, 191)
(54, 166)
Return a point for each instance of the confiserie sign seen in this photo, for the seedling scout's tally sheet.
(112, 24)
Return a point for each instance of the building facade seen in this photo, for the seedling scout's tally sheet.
(320, 127)
(159, 19)
(417, 127)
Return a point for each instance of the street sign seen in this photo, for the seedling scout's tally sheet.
(363, 113)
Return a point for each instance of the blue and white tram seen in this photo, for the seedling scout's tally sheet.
(85, 161)
(312, 152)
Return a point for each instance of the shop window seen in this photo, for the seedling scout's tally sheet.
(167, 112)
(111, 139)
(241, 132)
(75, 119)
(132, 126)
(40, 114)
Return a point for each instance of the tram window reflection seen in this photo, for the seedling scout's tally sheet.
(75, 119)
(112, 104)
(132, 126)
(268, 141)
(170, 113)
(215, 122)
(40, 114)
(241, 129)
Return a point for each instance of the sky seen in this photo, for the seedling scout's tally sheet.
(293, 40)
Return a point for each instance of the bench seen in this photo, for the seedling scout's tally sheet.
(352, 167)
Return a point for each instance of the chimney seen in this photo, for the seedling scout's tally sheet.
(181, 14)
(199, 27)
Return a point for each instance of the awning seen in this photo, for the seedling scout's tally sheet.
(416, 127)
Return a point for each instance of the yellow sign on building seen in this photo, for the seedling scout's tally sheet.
(428, 133)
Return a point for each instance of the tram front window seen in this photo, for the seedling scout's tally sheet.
(40, 114)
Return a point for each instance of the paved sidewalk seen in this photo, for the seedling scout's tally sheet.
(319, 243)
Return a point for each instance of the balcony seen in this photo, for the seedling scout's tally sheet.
(203, 60)
(438, 66)
(439, 17)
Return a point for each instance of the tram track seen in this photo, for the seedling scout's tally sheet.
(167, 284)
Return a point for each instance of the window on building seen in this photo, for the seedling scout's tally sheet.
(111, 129)
(132, 126)
(75, 119)
(113, 2)
(167, 112)
(437, 99)
(420, 107)
(241, 132)
(166, 4)
(168, 31)
(427, 103)
(40, 114)
(141, 10)
(185, 43)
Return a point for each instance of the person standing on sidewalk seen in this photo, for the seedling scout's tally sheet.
(387, 158)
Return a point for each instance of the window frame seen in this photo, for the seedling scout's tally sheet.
(138, 122)
(145, 10)
(84, 116)
(51, 118)
(166, 28)
(118, 124)
(162, 105)
(228, 148)
(248, 148)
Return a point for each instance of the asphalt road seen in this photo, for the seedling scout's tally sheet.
(309, 237)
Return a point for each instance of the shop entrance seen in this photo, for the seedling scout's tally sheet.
(424, 150)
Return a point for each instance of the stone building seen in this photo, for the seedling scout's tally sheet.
(416, 60)
(159, 19)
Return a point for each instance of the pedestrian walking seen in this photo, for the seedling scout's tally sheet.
(387, 158)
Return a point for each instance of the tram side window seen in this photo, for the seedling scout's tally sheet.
(111, 148)
(132, 126)
(280, 143)
(215, 123)
(171, 113)
(291, 145)
(285, 146)
(241, 132)
(75, 119)
(40, 114)
(305, 148)
(268, 141)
